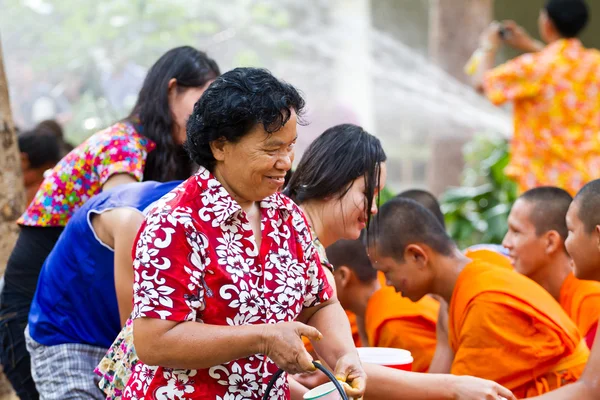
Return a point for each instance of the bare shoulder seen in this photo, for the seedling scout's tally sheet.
(122, 220)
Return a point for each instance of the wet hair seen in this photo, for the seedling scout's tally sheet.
(427, 200)
(191, 68)
(352, 254)
(588, 200)
(569, 17)
(333, 161)
(234, 104)
(549, 212)
(288, 176)
(403, 222)
(42, 148)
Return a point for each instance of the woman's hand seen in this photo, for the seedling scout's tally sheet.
(282, 343)
(349, 369)
(470, 388)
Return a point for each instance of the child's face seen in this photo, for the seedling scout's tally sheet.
(583, 247)
(410, 277)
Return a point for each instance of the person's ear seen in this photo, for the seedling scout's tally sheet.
(344, 275)
(553, 242)
(218, 148)
(416, 253)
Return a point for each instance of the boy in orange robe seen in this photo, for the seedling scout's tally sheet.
(536, 236)
(501, 326)
(389, 319)
(583, 223)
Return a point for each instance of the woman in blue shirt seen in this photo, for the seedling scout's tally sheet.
(84, 290)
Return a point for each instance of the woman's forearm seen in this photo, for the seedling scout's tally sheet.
(193, 345)
(333, 324)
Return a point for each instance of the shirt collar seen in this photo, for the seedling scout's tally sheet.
(561, 45)
(207, 181)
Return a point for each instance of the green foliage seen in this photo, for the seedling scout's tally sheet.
(67, 41)
(385, 195)
(477, 212)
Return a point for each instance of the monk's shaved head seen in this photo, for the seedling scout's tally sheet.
(352, 254)
(588, 201)
(549, 206)
(427, 200)
(402, 222)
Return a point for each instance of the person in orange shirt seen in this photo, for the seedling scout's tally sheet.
(583, 223)
(554, 92)
(536, 236)
(389, 319)
(501, 326)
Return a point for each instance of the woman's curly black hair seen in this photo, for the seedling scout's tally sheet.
(191, 68)
(233, 104)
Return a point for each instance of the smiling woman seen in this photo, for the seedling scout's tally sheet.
(227, 278)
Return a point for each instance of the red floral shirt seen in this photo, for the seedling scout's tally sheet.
(196, 259)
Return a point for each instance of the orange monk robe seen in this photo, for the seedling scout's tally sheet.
(581, 300)
(355, 334)
(489, 256)
(506, 328)
(394, 321)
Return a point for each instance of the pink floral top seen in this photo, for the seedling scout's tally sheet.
(81, 173)
(196, 259)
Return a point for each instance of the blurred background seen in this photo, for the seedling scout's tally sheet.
(393, 66)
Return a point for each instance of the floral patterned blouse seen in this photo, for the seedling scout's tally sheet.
(556, 97)
(81, 173)
(196, 259)
(116, 366)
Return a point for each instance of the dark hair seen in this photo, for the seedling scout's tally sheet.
(235, 103)
(53, 127)
(427, 200)
(42, 147)
(352, 254)
(403, 222)
(333, 161)
(550, 206)
(588, 200)
(569, 17)
(191, 68)
(50, 126)
(288, 176)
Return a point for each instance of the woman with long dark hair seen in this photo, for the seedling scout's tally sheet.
(147, 145)
(337, 182)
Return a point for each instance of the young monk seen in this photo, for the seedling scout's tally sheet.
(502, 326)
(390, 319)
(536, 236)
(338, 197)
(491, 253)
(583, 223)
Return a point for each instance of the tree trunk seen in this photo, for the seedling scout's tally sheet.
(454, 29)
(12, 192)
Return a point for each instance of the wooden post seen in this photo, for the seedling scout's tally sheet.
(454, 29)
(12, 192)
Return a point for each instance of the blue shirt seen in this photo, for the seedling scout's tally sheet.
(76, 300)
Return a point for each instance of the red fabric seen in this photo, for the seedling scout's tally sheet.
(589, 338)
(196, 259)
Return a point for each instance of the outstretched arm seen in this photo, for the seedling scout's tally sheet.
(390, 384)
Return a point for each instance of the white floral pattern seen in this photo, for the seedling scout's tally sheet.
(196, 259)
